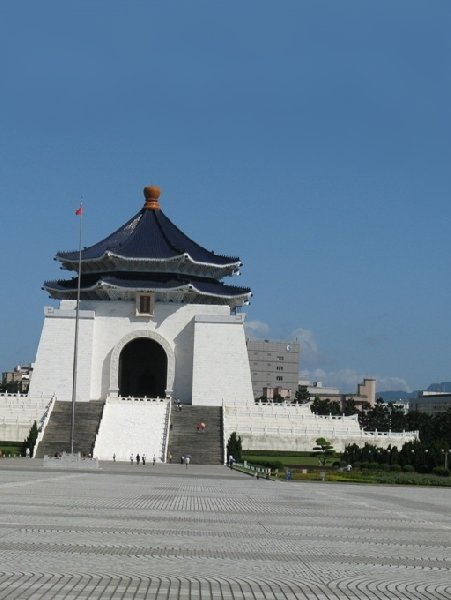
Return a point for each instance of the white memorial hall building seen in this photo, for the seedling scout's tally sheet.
(160, 356)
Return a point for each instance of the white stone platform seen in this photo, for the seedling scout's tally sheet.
(133, 426)
(295, 427)
(18, 412)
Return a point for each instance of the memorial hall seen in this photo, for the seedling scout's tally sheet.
(146, 353)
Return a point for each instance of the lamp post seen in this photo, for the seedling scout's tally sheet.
(445, 453)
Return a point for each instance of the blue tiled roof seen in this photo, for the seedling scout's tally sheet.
(150, 281)
(149, 234)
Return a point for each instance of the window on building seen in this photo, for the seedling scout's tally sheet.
(279, 368)
(280, 358)
(279, 378)
(145, 304)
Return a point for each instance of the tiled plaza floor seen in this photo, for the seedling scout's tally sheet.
(167, 532)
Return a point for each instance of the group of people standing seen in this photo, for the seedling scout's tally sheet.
(140, 459)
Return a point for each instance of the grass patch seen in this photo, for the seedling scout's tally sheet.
(288, 460)
(375, 477)
(296, 462)
(11, 448)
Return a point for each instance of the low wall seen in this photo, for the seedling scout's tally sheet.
(14, 432)
(306, 443)
(296, 428)
(18, 412)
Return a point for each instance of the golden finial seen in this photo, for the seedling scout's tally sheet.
(151, 194)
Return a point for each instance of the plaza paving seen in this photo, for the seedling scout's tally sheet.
(168, 532)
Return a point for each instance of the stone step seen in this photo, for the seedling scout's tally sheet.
(204, 447)
(58, 431)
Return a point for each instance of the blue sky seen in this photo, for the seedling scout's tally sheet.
(311, 138)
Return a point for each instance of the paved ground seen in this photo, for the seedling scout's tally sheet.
(168, 532)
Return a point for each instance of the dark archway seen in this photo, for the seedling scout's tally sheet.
(143, 367)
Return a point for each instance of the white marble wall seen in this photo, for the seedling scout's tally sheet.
(294, 427)
(207, 345)
(221, 372)
(53, 368)
(17, 415)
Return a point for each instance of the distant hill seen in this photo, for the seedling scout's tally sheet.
(396, 395)
(444, 386)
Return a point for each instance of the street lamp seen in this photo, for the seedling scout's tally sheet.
(445, 453)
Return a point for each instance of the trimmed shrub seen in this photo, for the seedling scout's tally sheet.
(441, 471)
(408, 469)
(384, 467)
(395, 468)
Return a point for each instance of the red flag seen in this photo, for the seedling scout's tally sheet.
(79, 211)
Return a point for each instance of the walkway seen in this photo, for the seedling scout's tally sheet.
(133, 532)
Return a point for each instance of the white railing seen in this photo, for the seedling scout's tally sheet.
(166, 430)
(119, 399)
(43, 423)
(306, 431)
(7, 396)
(224, 441)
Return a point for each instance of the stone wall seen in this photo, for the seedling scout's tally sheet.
(295, 427)
(18, 413)
(209, 332)
(221, 372)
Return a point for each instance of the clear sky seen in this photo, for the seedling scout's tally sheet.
(312, 138)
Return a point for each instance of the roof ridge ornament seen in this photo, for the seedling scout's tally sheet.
(151, 194)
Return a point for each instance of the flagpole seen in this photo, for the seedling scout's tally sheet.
(77, 314)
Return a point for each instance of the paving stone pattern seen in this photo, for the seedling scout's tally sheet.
(167, 532)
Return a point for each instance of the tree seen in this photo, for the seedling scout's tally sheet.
(324, 406)
(234, 447)
(302, 395)
(349, 407)
(30, 442)
(377, 418)
(324, 450)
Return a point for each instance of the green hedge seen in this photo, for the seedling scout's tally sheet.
(269, 464)
(275, 453)
(441, 471)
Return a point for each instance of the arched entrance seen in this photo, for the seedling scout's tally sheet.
(143, 367)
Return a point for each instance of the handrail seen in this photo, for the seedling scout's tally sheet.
(43, 423)
(224, 443)
(166, 431)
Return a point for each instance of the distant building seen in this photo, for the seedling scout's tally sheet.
(317, 389)
(274, 367)
(366, 392)
(431, 402)
(19, 379)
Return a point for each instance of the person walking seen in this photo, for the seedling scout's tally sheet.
(131, 457)
(154, 460)
(138, 458)
(187, 460)
(143, 459)
(114, 457)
